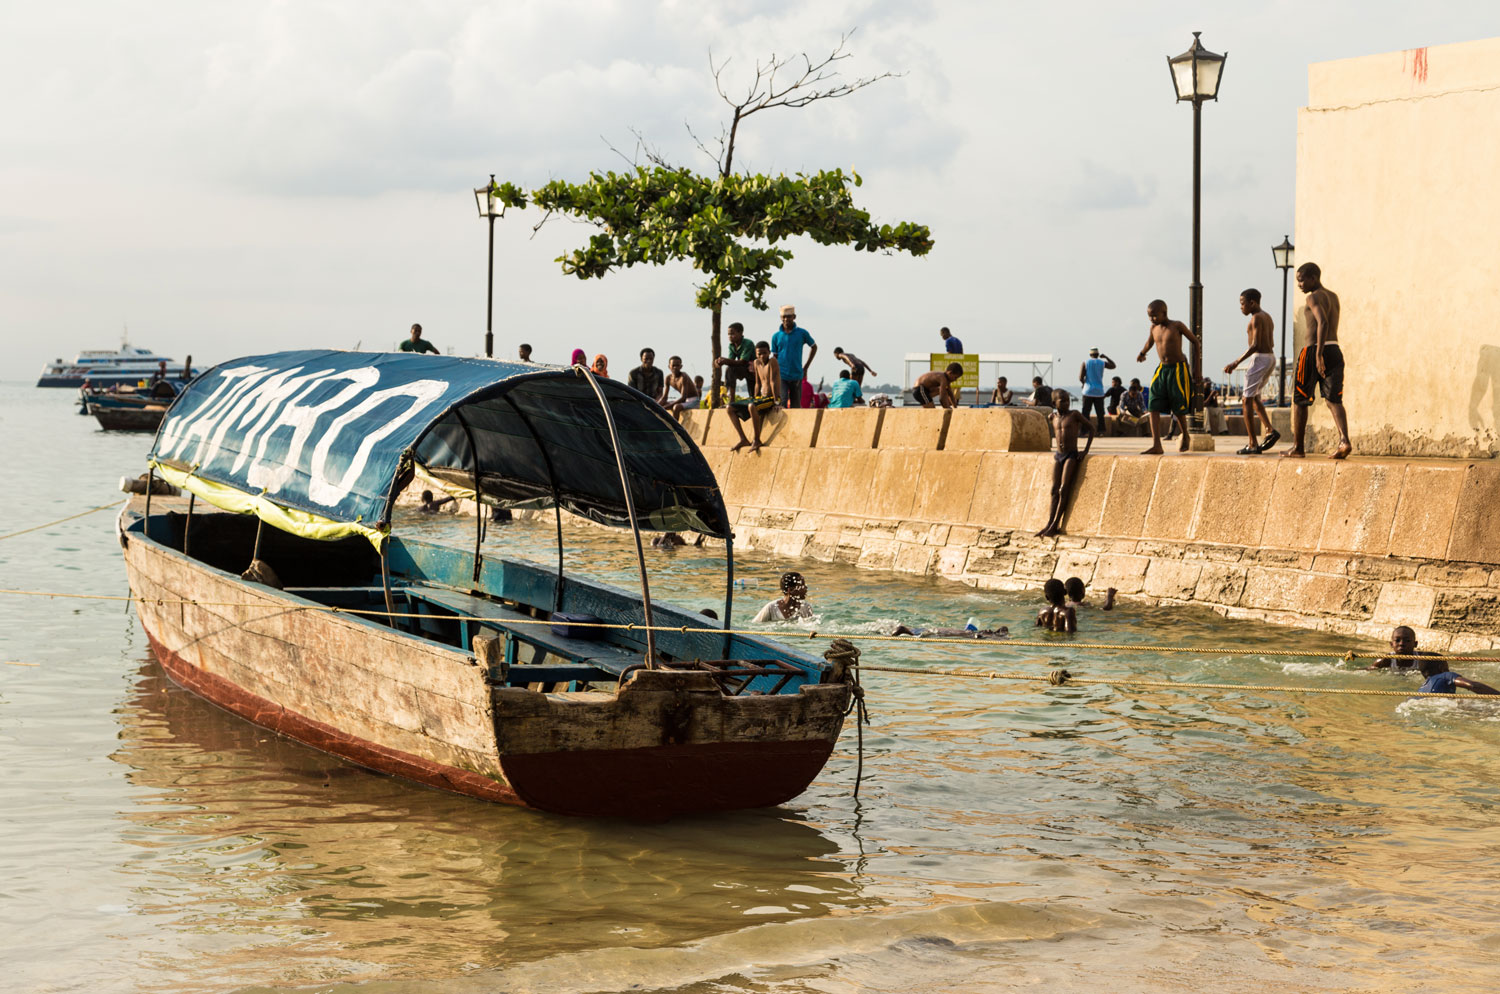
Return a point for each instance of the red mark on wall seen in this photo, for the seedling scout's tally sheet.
(1417, 59)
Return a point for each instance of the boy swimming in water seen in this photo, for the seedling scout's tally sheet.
(988, 634)
(1077, 594)
(1439, 679)
(1057, 616)
(791, 605)
(1403, 643)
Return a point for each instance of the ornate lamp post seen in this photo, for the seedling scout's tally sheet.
(1283, 255)
(1195, 77)
(484, 197)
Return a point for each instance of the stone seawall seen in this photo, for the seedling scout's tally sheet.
(1354, 547)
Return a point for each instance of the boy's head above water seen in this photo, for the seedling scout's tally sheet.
(1074, 587)
(1054, 591)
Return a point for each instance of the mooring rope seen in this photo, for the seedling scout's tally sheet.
(80, 514)
(1063, 678)
(785, 636)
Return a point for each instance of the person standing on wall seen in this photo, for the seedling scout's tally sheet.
(416, 343)
(1091, 375)
(1262, 356)
(1171, 385)
(951, 344)
(787, 344)
(1320, 364)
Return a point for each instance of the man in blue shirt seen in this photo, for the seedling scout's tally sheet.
(950, 343)
(846, 392)
(787, 345)
(1091, 375)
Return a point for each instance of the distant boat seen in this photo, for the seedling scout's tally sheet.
(126, 365)
(462, 669)
(131, 409)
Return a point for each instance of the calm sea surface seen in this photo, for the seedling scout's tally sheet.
(1009, 835)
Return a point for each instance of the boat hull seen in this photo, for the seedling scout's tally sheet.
(127, 417)
(667, 743)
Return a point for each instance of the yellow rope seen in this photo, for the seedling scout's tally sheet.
(786, 636)
(80, 514)
(1069, 680)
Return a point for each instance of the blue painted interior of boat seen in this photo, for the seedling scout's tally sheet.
(435, 583)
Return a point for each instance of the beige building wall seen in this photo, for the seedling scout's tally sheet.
(1398, 201)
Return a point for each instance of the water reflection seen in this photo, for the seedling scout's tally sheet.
(294, 857)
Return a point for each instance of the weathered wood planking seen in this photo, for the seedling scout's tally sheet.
(328, 668)
(667, 742)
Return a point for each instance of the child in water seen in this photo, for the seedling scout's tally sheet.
(971, 632)
(1438, 679)
(1077, 594)
(791, 605)
(1057, 616)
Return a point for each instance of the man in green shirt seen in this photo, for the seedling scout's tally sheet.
(416, 343)
(736, 364)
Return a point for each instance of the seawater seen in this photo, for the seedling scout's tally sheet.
(1007, 836)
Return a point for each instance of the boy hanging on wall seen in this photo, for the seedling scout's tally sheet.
(1067, 460)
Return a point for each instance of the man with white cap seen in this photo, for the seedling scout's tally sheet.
(1091, 375)
(787, 344)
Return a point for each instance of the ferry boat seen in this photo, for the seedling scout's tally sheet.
(127, 365)
(463, 669)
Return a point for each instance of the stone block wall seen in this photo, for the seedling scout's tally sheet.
(1354, 547)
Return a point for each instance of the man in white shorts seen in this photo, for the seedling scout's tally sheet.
(1258, 373)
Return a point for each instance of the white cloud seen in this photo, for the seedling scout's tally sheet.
(235, 177)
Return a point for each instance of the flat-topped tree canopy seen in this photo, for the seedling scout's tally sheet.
(319, 443)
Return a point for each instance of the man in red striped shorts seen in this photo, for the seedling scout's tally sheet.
(1320, 364)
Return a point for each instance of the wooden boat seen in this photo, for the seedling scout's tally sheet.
(463, 670)
(128, 412)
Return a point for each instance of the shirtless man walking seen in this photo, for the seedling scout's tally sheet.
(1172, 385)
(1320, 363)
(1262, 360)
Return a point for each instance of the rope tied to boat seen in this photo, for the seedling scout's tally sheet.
(843, 656)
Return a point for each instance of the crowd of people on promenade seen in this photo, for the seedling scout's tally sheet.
(773, 373)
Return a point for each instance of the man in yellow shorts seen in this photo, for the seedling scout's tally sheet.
(765, 396)
(1172, 385)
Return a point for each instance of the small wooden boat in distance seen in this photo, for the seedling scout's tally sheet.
(464, 670)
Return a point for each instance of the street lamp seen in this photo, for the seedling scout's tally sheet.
(1283, 255)
(484, 197)
(1195, 77)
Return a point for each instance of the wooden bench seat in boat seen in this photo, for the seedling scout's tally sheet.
(584, 652)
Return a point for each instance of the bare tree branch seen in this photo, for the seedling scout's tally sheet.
(763, 91)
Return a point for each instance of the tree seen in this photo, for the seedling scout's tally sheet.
(730, 226)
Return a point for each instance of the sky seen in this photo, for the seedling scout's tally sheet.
(235, 178)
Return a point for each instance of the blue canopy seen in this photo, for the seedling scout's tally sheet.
(321, 442)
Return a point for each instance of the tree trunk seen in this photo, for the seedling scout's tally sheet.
(713, 390)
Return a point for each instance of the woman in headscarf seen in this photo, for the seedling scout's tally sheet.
(579, 358)
(601, 365)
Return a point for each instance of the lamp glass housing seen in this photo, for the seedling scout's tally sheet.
(1283, 253)
(1196, 72)
(484, 201)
